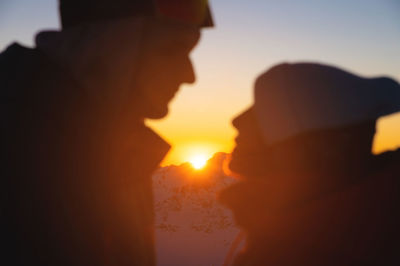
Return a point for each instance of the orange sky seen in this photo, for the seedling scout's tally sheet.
(192, 136)
(362, 37)
(388, 134)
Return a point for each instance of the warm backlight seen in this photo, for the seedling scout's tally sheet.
(198, 161)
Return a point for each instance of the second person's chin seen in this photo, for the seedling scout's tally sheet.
(245, 166)
(237, 165)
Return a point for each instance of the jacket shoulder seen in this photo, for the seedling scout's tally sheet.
(389, 162)
(18, 65)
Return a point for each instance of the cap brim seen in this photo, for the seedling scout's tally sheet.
(208, 21)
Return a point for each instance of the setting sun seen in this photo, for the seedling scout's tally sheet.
(198, 162)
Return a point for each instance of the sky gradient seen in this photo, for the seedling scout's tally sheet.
(362, 36)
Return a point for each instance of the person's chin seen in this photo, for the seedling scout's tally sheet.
(245, 165)
(237, 164)
(157, 112)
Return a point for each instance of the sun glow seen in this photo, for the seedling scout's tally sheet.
(198, 161)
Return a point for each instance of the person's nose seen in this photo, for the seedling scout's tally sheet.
(243, 119)
(194, 38)
(189, 74)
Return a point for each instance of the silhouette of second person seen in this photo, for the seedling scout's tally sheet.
(311, 191)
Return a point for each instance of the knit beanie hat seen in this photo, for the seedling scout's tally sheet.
(291, 99)
(76, 12)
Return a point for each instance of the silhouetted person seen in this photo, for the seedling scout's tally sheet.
(312, 193)
(76, 155)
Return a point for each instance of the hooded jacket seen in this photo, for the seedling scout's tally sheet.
(76, 187)
(355, 224)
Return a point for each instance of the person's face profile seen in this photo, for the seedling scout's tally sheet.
(165, 66)
(333, 149)
(248, 156)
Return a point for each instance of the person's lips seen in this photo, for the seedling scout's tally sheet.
(238, 139)
(167, 92)
(242, 144)
(172, 92)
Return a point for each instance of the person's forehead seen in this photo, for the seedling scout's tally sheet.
(155, 32)
(185, 38)
(189, 37)
(176, 30)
